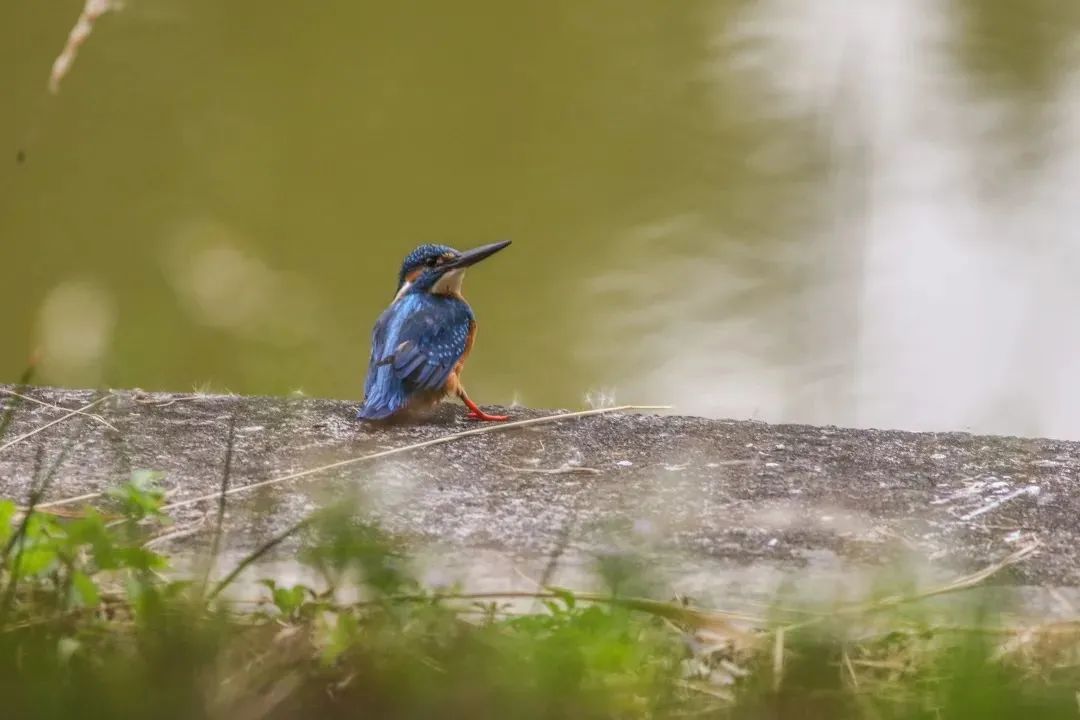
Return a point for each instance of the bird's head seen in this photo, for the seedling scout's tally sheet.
(440, 269)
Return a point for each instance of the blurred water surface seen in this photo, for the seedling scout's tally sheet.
(860, 213)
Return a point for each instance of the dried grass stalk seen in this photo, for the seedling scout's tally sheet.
(92, 10)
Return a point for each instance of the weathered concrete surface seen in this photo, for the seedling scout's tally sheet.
(711, 493)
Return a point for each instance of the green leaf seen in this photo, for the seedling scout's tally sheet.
(36, 560)
(289, 600)
(565, 595)
(66, 647)
(135, 589)
(175, 589)
(39, 528)
(553, 607)
(86, 589)
(342, 636)
(138, 558)
(88, 529)
(146, 480)
(7, 512)
(141, 496)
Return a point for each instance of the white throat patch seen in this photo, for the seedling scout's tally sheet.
(450, 283)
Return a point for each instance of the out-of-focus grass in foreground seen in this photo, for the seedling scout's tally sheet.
(92, 626)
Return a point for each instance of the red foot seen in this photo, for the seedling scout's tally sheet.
(481, 416)
(477, 414)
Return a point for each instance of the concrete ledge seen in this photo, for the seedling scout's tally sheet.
(705, 494)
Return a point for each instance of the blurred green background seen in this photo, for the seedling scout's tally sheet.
(842, 212)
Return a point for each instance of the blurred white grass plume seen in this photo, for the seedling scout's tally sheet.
(601, 398)
(84, 25)
(75, 326)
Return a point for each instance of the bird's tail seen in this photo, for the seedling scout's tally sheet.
(382, 400)
(372, 411)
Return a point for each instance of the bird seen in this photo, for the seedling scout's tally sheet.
(421, 341)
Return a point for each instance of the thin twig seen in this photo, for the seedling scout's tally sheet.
(39, 487)
(24, 382)
(46, 426)
(92, 416)
(146, 399)
(778, 658)
(416, 446)
(523, 576)
(959, 584)
(1030, 490)
(178, 533)
(219, 520)
(705, 689)
(690, 615)
(892, 601)
(851, 670)
(17, 542)
(68, 501)
(256, 554)
(561, 543)
(547, 591)
(48, 509)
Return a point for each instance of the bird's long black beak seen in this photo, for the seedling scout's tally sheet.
(471, 257)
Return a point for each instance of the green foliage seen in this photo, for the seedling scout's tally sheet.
(340, 547)
(52, 564)
(289, 601)
(140, 497)
(91, 629)
(7, 512)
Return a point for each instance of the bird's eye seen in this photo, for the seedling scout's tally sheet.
(432, 261)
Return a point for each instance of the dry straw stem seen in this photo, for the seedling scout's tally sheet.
(851, 669)
(46, 426)
(350, 461)
(96, 418)
(92, 10)
(724, 696)
(407, 448)
(778, 658)
(700, 618)
(66, 501)
(689, 615)
(893, 601)
(962, 583)
(677, 612)
(184, 531)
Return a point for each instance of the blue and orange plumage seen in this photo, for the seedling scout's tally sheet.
(420, 343)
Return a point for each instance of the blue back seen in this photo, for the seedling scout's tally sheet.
(416, 343)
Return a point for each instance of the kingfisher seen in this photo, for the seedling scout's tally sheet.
(420, 343)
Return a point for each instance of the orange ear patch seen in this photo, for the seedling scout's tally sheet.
(413, 274)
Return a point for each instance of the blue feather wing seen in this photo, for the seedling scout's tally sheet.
(415, 346)
(430, 344)
(382, 396)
